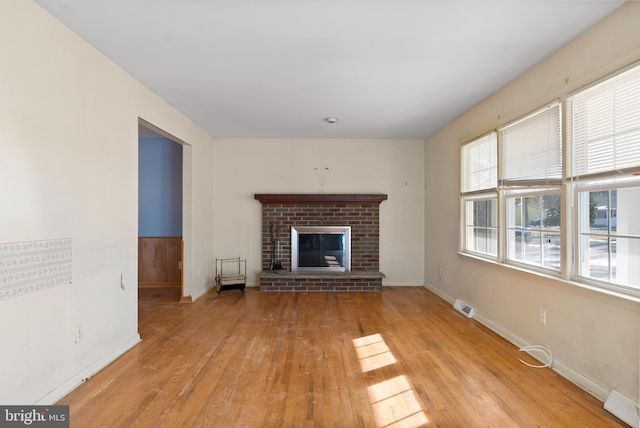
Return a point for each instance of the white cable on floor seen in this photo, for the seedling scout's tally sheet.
(541, 349)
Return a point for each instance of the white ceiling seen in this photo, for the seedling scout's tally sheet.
(276, 68)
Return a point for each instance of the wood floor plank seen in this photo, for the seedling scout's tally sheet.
(399, 358)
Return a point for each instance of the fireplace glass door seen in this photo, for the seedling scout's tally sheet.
(321, 248)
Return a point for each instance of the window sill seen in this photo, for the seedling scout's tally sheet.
(554, 279)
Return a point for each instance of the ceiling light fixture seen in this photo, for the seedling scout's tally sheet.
(330, 119)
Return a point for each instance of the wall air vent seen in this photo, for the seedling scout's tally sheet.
(623, 408)
(463, 308)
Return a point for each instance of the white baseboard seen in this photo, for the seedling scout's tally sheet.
(53, 396)
(573, 376)
(440, 294)
(202, 292)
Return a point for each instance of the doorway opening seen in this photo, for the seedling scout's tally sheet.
(163, 162)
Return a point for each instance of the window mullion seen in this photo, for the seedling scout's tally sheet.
(502, 225)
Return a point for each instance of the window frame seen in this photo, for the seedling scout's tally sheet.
(486, 192)
(533, 192)
(576, 273)
(537, 184)
(580, 180)
(465, 235)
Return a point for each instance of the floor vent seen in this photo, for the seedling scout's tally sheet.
(623, 408)
(463, 308)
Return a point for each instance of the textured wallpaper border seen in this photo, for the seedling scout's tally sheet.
(28, 267)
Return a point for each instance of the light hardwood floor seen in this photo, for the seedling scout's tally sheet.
(400, 357)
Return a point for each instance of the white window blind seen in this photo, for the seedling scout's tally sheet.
(480, 164)
(531, 149)
(605, 126)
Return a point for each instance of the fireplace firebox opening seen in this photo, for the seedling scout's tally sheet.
(321, 248)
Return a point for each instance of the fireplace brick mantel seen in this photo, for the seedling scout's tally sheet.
(281, 211)
(320, 198)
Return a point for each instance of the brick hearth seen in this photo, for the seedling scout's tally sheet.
(360, 211)
(339, 281)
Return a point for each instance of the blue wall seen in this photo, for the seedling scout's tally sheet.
(159, 187)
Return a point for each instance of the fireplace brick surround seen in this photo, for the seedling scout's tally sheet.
(360, 211)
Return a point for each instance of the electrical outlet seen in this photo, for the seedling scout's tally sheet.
(543, 317)
(79, 333)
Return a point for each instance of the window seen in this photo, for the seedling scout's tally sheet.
(479, 198)
(609, 236)
(530, 179)
(533, 230)
(571, 211)
(604, 132)
(482, 225)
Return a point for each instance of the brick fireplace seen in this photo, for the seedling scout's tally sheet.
(359, 211)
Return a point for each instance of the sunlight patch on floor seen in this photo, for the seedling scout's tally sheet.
(393, 401)
(372, 352)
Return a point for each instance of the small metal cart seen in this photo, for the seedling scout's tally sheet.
(231, 274)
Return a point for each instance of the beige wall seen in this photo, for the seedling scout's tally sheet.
(68, 168)
(244, 167)
(68, 164)
(594, 337)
